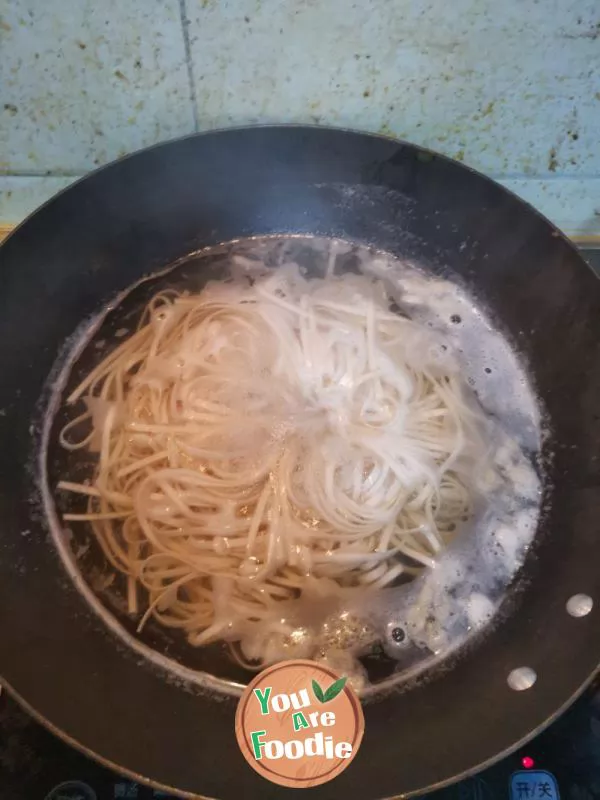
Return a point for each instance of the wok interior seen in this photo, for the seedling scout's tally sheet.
(191, 274)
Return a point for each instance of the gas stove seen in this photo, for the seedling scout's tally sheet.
(562, 762)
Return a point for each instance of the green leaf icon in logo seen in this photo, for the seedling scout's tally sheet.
(318, 692)
(330, 693)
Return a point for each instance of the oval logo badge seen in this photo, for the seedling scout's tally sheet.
(299, 724)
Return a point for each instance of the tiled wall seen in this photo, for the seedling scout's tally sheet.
(511, 88)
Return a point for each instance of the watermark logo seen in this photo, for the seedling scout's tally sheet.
(299, 724)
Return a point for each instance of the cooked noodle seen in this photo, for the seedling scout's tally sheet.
(264, 439)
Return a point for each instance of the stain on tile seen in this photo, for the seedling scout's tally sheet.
(71, 74)
(494, 81)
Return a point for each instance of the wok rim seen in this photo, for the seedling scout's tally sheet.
(582, 684)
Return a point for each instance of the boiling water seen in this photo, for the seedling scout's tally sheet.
(417, 623)
(420, 622)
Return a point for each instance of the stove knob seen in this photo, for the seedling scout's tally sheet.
(72, 790)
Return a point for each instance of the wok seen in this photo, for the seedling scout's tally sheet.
(144, 212)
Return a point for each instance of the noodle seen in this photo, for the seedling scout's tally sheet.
(269, 440)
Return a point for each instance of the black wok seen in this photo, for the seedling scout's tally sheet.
(144, 212)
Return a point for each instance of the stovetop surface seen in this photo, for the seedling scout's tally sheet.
(562, 762)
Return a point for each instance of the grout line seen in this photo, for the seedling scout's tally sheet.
(67, 173)
(59, 173)
(185, 24)
(498, 177)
